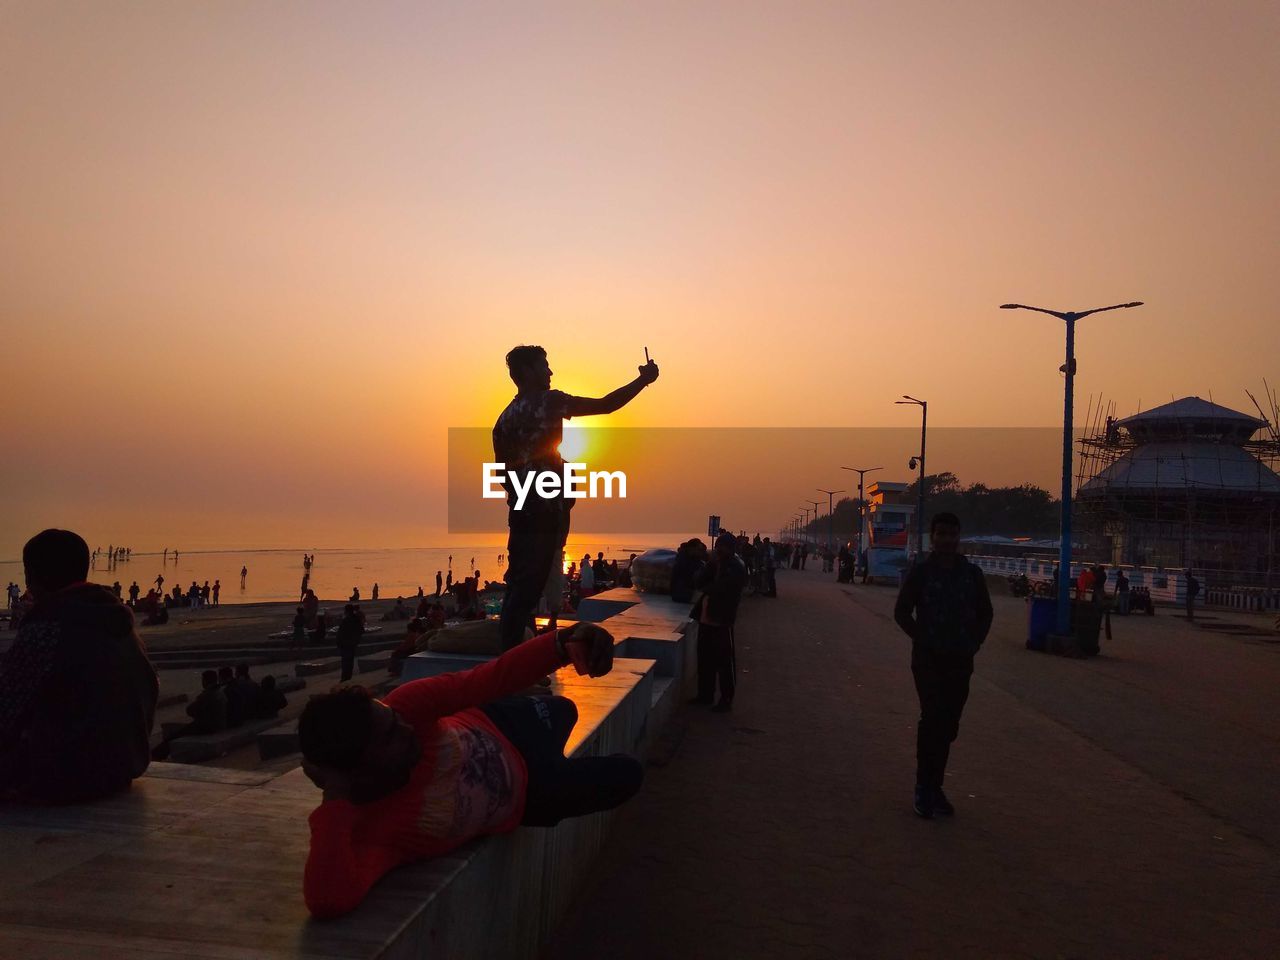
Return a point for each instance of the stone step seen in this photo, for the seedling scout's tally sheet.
(210, 746)
(311, 668)
(366, 664)
(201, 660)
(279, 741)
(256, 649)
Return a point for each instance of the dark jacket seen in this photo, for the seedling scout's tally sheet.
(721, 583)
(945, 610)
(77, 700)
(684, 573)
(269, 704)
(242, 701)
(209, 710)
(350, 630)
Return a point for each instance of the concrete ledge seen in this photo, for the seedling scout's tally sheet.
(313, 668)
(427, 664)
(365, 664)
(602, 606)
(210, 746)
(279, 741)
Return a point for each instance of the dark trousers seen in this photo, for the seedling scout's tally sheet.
(942, 683)
(560, 787)
(348, 655)
(715, 661)
(537, 535)
(1191, 607)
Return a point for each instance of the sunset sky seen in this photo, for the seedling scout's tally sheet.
(256, 259)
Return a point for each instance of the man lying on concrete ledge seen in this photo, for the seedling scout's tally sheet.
(446, 759)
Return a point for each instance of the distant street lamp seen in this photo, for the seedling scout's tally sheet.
(1069, 368)
(862, 503)
(830, 515)
(815, 513)
(911, 464)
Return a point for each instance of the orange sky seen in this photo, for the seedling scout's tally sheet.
(256, 259)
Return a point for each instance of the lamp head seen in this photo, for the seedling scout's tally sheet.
(911, 464)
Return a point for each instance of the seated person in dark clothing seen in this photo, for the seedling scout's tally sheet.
(208, 713)
(242, 697)
(398, 612)
(270, 700)
(435, 616)
(77, 692)
(685, 571)
(446, 759)
(408, 646)
(159, 615)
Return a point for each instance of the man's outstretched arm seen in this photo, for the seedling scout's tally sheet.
(423, 701)
(591, 407)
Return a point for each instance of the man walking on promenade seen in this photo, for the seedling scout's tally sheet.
(525, 439)
(1193, 591)
(945, 609)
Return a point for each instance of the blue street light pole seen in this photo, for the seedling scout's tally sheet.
(1063, 624)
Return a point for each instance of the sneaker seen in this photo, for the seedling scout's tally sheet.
(941, 804)
(724, 706)
(923, 803)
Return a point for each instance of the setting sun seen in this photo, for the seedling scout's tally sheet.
(574, 446)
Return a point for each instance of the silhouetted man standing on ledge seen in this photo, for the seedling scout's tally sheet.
(525, 439)
(945, 609)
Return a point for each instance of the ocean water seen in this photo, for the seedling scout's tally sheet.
(277, 574)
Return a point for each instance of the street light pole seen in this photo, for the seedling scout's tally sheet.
(862, 503)
(1063, 625)
(831, 523)
(924, 419)
(815, 514)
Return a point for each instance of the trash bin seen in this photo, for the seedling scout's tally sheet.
(1086, 625)
(1041, 618)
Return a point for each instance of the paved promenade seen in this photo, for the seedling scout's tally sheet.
(1127, 806)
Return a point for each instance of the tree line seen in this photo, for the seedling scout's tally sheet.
(1022, 511)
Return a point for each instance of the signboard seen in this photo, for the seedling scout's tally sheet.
(887, 562)
(713, 526)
